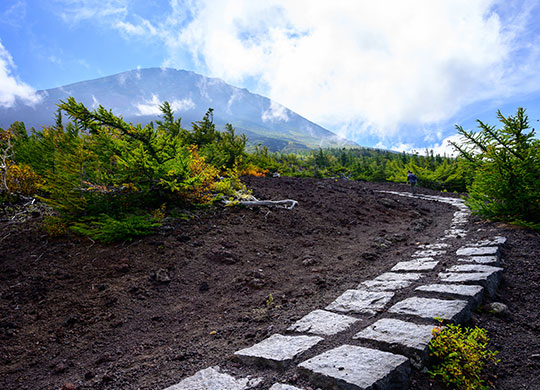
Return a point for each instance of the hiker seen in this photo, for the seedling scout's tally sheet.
(412, 179)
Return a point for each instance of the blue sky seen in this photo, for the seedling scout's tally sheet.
(393, 74)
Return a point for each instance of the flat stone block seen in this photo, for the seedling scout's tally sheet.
(322, 322)
(277, 351)
(473, 268)
(472, 293)
(281, 386)
(495, 241)
(401, 337)
(361, 301)
(437, 245)
(489, 280)
(488, 260)
(451, 310)
(479, 251)
(428, 253)
(212, 379)
(384, 285)
(357, 368)
(398, 276)
(415, 265)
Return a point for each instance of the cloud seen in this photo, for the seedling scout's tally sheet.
(379, 64)
(275, 112)
(151, 107)
(363, 69)
(11, 88)
(75, 11)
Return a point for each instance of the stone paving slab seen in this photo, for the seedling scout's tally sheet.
(384, 285)
(473, 268)
(495, 241)
(361, 301)
(479, 251)
(428, 253)
(212, 379)
(357, 368)
(439, 245)
(452, 310)
(420, 264)
(489, 280)
(322, 322)
(402, 337)
(488, 260)
(277, 351)
(398, 276)
(281, 386)
(472, 293)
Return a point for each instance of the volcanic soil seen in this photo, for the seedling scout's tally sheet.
(146, 314)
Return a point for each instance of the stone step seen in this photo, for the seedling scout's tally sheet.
(402, 337)
(489, 280)
(361, 301)
(351, 367)
(323, 323)
(439, 245)
(479, 251)
(213, 379)
(277, 351)
(420, 264)
(281, 386)
(452, 310)
(473, 268)
(495, 241)
(487, 260)
(428, 252)
(389, 281)
(472, 293)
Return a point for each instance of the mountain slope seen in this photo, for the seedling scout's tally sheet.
(136, 95)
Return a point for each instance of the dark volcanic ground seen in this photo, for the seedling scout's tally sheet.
(144, 315)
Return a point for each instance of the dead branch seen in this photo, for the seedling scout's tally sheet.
(254, 202)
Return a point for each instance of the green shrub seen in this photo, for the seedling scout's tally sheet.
(461, 354)
(506, 170)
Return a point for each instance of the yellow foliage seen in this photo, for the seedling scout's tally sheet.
(204, 178)
(252, 170)
(21, 179)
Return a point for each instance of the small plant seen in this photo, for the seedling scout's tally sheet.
(461, 354)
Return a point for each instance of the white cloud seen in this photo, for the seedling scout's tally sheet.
(75, 11)
(275, 112)
(151, 106)
(11, 88)
(382, 64)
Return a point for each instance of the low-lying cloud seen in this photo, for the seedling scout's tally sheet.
(11, 88)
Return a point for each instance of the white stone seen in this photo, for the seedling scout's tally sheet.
(212, 379)
(478, 251)
(322, 322)
(415, 265)
(488, 260)
(398, 276)
(428, 253)
(495, 241)
(384, 285)
(472, 293)
(489, 280)
(351, 367)
(281, 386)
(361, 301)
(277, 351)
(452, 310)
(473, 268)
(438, 245)
(401, 337)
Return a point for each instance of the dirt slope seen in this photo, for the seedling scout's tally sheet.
(143, 315)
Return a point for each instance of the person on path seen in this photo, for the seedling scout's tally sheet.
(412, 179)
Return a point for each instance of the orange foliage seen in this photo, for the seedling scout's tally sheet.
(252, 170)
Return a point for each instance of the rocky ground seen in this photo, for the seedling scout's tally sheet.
(144, 315)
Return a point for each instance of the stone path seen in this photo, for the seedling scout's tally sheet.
(397, 340)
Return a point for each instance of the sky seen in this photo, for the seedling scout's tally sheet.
(391, 74)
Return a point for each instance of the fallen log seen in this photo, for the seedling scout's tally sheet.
(285, 203)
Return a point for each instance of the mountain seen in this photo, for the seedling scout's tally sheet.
(136, 95)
